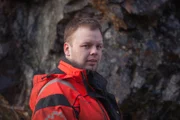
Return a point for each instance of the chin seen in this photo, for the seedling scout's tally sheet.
(93, 68)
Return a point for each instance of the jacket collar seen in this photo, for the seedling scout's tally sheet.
(94, 78)
(70, 69)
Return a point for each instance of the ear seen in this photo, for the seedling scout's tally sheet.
(67, 49)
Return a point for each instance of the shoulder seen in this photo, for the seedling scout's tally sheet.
(56, 86)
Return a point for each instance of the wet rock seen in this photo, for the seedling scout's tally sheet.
(116, 1)
(103, 7)
(172, 90)
(73, 6)
(8, 112)
(116, 9)
(138, 81)
(143, 7)
(4, 49)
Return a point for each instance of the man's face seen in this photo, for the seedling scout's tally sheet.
(85, 49)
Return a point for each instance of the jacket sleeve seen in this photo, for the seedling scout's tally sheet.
(52, 104)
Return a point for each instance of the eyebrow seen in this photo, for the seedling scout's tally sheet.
(101, 43)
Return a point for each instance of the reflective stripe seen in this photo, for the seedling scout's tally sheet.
(57, 80)
(52, 100)
(55, 113)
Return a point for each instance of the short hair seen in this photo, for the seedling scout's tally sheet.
(78, 22)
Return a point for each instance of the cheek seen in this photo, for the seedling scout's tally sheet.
(85, 55)
(85, 52)
(81, 54)
(100, 55)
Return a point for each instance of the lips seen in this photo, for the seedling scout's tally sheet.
(92, 61)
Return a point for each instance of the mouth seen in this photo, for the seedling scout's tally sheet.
(92, 61)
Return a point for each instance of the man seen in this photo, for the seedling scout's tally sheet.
(75, 91)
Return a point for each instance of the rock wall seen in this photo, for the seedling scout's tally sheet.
(141, 58)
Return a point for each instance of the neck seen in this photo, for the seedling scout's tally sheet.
(67, 60)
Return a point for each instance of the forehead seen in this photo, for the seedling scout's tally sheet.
(85, 34)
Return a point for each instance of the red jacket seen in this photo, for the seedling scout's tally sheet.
(67, 96)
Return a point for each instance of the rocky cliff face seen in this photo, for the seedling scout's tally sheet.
(141, 57)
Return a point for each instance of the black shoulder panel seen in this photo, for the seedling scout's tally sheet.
(52, 100)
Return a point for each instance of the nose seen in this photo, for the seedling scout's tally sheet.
(94, 51)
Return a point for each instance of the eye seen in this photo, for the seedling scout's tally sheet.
(86, 46)
(99, 47)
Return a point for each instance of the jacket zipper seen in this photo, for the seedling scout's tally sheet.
(103, 111)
